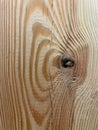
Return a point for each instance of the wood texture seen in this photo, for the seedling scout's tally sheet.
(36, 91)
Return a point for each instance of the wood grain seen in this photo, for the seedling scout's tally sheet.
(36, 91)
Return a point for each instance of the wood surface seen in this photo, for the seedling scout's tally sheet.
(36, 91)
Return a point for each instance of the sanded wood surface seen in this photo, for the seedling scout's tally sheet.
(37, 90)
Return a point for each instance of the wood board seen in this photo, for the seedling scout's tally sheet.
(36, 91)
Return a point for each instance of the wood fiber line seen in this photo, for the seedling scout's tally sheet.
(36, 91)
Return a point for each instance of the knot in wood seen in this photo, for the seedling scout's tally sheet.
(67, 62)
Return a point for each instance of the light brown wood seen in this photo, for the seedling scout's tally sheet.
(36, 91)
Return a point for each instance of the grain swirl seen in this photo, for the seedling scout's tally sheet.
(36, 91)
